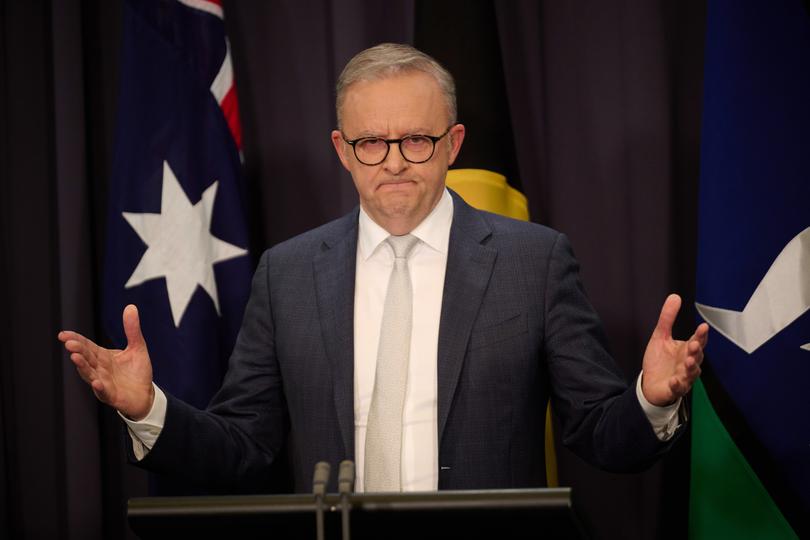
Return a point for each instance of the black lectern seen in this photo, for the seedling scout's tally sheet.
(499, 514)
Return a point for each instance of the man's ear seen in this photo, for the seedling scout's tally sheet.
(456, 135)
(340, 148)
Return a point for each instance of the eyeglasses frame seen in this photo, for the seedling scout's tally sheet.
(388, 142)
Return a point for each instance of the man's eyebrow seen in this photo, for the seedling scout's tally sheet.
(378, 134)
(420, 131)
(369, 133)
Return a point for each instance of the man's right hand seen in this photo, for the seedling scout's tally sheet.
(121, 379)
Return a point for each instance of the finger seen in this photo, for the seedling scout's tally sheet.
(703, 334)
(692, 368)
(84, 348)
(689, 378)
(74, 345)
(694, 351)
(694, 347)
(669, 311)
(132, 327)
(86, 372)
(82, 366)
(78, 347)
(680, 385)
(75, 342)
(67, 335)
(689, 363)
(100, 389)
(676, 387)
(693, 359)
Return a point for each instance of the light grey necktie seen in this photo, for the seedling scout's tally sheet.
(384, 429)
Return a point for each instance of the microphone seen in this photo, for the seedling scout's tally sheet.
(320, 478)
(345, 488)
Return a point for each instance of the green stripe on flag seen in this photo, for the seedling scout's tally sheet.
(726, 500)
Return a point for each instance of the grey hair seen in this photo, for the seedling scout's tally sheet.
(389, 59)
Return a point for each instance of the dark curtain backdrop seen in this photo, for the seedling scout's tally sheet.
(591, 108)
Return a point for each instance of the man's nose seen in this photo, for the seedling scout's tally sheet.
(394, 162)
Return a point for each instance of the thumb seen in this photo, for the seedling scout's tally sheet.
(666, 319)
(132, 327)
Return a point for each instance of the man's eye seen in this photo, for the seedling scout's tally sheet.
(371, 144)
(416, 142)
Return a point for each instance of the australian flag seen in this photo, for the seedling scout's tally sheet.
(177, 234)
(751, 429)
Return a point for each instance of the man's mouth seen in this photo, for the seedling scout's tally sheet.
(393, 183)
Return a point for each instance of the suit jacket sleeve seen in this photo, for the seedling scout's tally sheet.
(602, 420)
(232, 444)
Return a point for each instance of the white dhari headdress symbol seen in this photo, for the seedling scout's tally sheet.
(781, 297)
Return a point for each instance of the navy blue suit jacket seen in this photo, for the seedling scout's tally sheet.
(516, 329)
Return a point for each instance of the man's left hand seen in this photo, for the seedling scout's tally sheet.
(671, 366)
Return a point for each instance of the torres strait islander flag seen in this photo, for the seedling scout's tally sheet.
(751, 414)
(176, 231)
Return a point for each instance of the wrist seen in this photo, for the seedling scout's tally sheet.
(651, 398)
(138, 414)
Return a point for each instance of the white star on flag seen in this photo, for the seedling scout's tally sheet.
(180, 245)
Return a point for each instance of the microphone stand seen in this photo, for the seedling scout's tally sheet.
(320, 479)
(345, 488)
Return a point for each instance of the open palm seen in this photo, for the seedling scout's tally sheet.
(119, 378)
(671, 366)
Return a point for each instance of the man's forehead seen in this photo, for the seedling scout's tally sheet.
(411, 102)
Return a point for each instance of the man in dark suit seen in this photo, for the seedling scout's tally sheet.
(430, 365)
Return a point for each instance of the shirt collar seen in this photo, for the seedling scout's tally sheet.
(434, 230)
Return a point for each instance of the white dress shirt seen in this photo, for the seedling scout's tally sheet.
(427, 265)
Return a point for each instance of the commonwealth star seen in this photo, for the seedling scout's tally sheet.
(180, 246)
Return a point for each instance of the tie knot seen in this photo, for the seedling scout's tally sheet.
(402, 245)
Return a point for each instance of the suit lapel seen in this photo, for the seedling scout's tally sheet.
(334, 272)
(469, 267)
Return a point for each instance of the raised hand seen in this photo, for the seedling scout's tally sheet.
(671, 366)
(121, 379)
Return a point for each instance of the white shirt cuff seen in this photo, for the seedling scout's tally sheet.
(664, 420)
(145, 432)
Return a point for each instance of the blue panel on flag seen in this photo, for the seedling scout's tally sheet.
(754, 199)
(167, 114)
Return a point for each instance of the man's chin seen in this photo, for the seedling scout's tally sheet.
(399, 210)
(397, 214)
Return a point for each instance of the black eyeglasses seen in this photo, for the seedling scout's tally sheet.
(414, 148)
